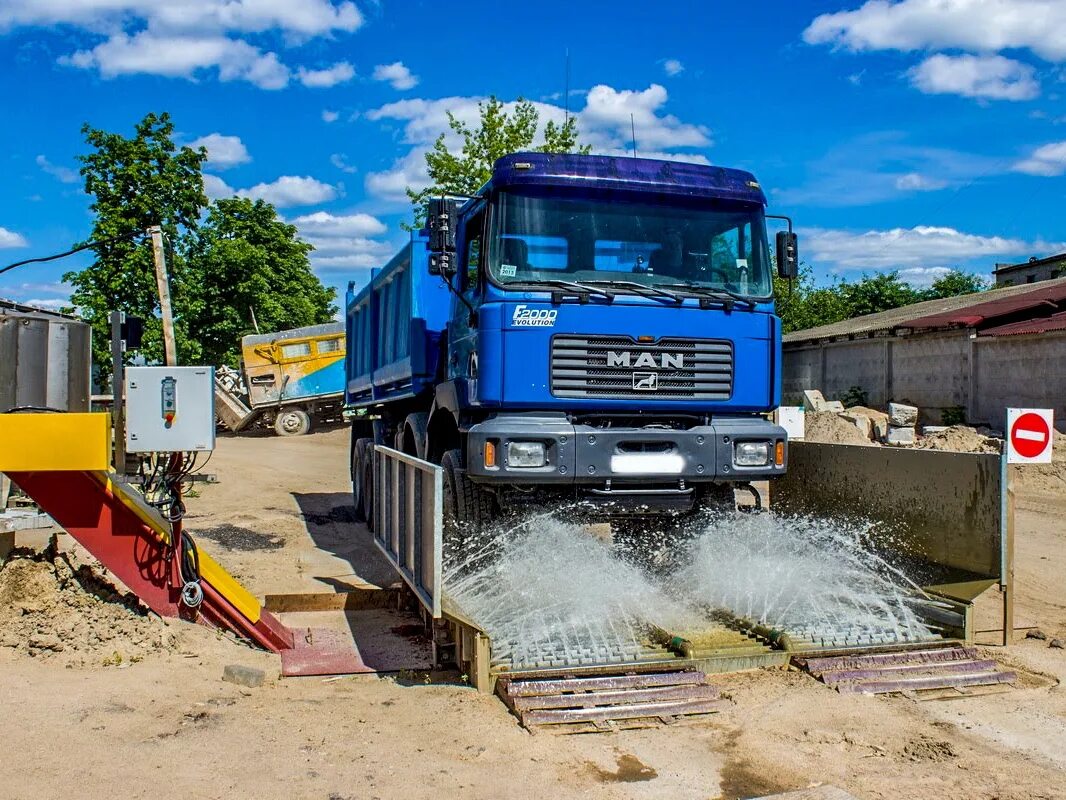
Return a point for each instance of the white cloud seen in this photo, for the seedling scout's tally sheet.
(605, 123)
(985, 77)
(922, 246)
(985, 26)
(10, 239)
(340, 162)
(341, 72)
(182, 56)
(216, 188)
(223, 152)
(916, 182)
(1048, 160)
(322, 223)
(673, 67)
(182, 39)
(397, 75)
(306, 18)
(923, 276)
(330, 116)
(291, 190)
(63, 174)
(47, 303)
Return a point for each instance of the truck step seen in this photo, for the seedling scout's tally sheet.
(907, 672)
(609, 702)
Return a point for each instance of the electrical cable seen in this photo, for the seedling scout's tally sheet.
(71, 252)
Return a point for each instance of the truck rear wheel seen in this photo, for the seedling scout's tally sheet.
(465, 503)
(292, 421)
(362, 483)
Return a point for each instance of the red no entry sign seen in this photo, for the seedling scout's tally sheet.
(1029, 435)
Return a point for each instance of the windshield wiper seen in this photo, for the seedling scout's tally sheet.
(641, 289)
(723, 295)
(572, 287)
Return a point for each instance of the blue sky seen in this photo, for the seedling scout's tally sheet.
(910, 134)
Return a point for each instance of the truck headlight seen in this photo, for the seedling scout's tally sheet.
(751, 454)
(526, 454)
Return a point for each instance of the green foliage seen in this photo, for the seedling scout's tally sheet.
(806, 305)
(240, 257)
(135, 183)
(855, 396)
(954, 415)
(499, 134)
(955, 283)
(243, 257)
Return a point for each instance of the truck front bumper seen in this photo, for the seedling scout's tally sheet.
(622, 460)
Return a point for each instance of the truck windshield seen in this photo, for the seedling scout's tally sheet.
(721, 247)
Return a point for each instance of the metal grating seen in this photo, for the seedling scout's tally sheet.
(620, 367)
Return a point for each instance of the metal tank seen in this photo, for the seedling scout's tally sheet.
(45, 361)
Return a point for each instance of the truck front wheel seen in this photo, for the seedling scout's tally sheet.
(465, 503)
(292, 421)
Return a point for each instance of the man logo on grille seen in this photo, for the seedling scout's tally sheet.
(645, 381)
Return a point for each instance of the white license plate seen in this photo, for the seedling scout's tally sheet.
(647, 464)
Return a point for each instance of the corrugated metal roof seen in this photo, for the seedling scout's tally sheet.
(903, 317)
(1056, 322)
(1045, 299)
(1036, 262)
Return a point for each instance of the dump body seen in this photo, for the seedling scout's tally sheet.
(294, 365)
(394, 326)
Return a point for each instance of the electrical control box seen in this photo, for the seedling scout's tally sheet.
(170, 409)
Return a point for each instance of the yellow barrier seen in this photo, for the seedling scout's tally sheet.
(54, 442)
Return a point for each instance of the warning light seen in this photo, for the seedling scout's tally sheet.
(779, 454)
(645, 338)
(490, 455)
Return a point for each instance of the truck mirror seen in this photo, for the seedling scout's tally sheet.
(440, 220)
(787, 255)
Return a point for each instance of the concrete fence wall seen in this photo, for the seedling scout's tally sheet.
(937, 371)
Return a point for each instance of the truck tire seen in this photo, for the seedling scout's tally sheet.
(367, 491)
(417, 424)
(465, 503)
(361, 494)
(292, 421)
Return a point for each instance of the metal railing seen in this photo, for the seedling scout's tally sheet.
(408, 521)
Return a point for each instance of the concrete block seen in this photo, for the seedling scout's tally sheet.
(902, 416)
(813, 400)
(244, 676)
(930, 429)
(878, 420)
(7, 542)
(860, 421)
(899, 435)
(834, 405)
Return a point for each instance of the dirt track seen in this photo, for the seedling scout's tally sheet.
(167, 726)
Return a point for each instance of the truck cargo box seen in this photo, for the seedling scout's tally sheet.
(394, 325)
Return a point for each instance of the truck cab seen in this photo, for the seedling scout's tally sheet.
(611, 339)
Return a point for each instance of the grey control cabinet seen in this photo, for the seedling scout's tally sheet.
(170, 409)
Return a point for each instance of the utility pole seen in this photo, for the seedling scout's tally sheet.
(163, 285)
(118, 422)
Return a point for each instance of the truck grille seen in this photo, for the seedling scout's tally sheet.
(621, 367)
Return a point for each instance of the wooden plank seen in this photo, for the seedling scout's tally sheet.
(359, 597)
(529, 688)
(634, 711)
(591, 699)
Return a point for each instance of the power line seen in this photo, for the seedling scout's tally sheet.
(57, 256)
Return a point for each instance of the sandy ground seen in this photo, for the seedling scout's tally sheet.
(156, 720)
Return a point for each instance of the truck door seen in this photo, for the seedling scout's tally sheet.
(263, 374)
(462, 336)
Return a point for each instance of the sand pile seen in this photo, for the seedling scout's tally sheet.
(53, 607)
(827, 426)
(1047, 479)
(960, 439)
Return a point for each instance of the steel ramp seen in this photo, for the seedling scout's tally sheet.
(607, 702)
(917, 670)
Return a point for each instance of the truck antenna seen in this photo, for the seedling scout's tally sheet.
(566, 88)
(633, 130)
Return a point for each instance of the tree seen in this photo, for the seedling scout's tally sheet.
(242, 257)
(873, 293)
(135, 183)
(499, 134)
(955, 283)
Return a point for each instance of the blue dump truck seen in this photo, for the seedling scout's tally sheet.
(588, 330)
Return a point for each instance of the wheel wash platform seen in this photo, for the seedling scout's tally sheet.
(947, 514)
